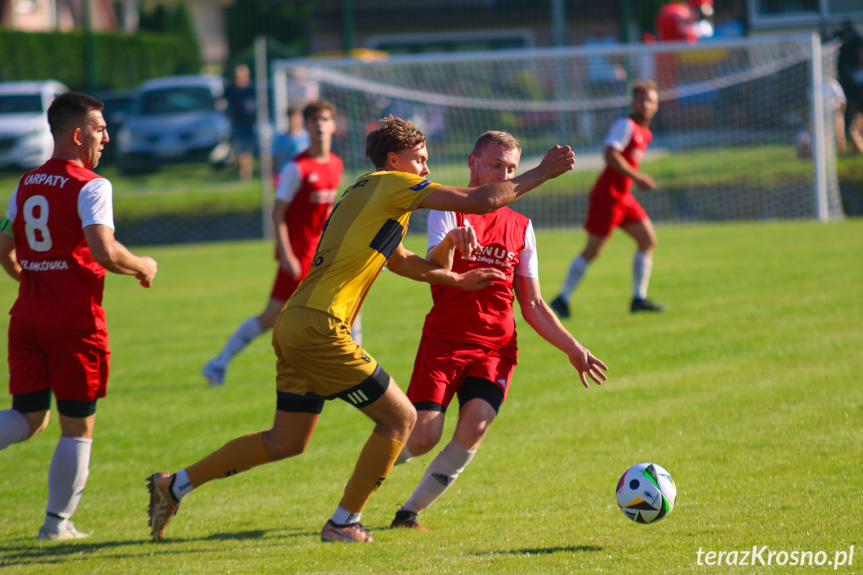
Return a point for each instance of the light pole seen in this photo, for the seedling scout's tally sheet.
(89, 52)
(625, 7)
(347, 26)
(558, 23)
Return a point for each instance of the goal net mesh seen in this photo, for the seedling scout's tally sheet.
(733, 138)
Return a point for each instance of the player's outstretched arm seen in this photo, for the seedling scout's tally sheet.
(544, 321)
(8, 257)
(462, 238)
(116, 258)
(615, 160)
(406, 263)
(484, 199)
(287, 258)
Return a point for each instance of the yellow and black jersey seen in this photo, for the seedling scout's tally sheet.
(363, 230)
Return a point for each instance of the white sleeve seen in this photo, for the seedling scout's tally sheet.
(619, 135)
(289, 183)
(528, 261)
(95, 204)
(12, 210)
(835, 93)
(439, 224)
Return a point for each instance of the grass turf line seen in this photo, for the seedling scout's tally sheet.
(746, 390)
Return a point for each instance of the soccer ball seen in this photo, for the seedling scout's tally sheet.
(646, 493)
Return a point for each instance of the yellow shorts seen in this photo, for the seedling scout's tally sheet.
(316, 356)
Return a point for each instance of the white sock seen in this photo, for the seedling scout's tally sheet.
(357, 329)
(13, 427)
(182, 485)
(642, 264)
(573, 277)
(404, 456)
(248, 330)
(343, 516)
(440, 475)
(67, 477)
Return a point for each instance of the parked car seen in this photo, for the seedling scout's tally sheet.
(117, 106)
(175, 119)
(25, 138)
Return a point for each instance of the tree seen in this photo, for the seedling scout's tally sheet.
(284, 22)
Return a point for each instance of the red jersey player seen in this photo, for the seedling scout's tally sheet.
(57, 241)
(680, 21)
(687, 21)
(612, 204)
(307, 188)
(468, 347)
(317, 360)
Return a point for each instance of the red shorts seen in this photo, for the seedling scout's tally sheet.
(284, 286)
(442, 366)
(74, 364)
(606, 214)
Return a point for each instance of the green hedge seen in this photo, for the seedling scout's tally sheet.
(121, 60)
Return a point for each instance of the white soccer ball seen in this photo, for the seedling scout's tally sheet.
(646, 493)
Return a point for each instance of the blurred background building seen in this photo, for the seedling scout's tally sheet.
(325, 26)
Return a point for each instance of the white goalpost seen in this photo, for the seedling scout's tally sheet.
(727, 139)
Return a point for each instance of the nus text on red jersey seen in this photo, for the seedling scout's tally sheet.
(484, 317)
(311, 192)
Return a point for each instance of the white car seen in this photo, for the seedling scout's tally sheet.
(175, 119)
(25, 138)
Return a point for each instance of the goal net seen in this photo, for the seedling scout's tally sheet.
(741, 133)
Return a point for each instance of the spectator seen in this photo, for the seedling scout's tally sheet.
(849, 68)
(834, 122)
(242, 108)
(835, 104)
(606, 78)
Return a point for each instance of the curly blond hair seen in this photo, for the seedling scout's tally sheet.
(392, 135)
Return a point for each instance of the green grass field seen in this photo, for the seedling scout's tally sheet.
(748, 390)
(197, 189)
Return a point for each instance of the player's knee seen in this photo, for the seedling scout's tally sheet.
(422, 441)
(472, 432)
(402, 423)
(282, 448)
(648, 244)
(267, 320)
(590, 254)
(37, 422)
(397, 422)
(286, 451)
(408, 418)
(476, 430)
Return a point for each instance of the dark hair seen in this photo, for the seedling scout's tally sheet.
(505, 139)
(70, 109)
(317, 106)
(644, 86)
(392, 135)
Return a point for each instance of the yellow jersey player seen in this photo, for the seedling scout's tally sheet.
(317, 358)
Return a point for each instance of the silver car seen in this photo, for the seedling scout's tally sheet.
(25, 138)
(175, 119)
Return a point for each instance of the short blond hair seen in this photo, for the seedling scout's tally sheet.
(393, 134)
(313, 108)
(644, 86)
(505, 139)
